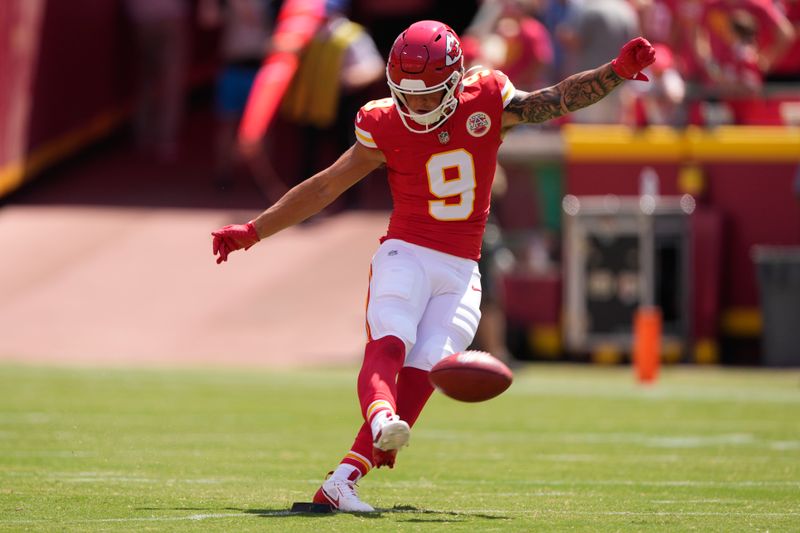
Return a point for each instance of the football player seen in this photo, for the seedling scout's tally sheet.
(438, 136)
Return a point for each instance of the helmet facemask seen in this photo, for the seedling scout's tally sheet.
(425, 122)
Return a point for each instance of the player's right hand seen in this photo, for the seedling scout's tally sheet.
(233, 237)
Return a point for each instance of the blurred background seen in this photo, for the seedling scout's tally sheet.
(130, 129)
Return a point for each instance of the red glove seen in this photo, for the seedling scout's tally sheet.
(635, 55)
(233, 237)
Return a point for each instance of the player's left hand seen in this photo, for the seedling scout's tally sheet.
(233, 237)
(637, 54)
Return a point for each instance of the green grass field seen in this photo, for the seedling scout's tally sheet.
(567, 448)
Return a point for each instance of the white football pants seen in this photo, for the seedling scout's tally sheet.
(428, 299)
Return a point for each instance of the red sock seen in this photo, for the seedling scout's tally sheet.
(413, 392)
(360, 454)
(377, 380)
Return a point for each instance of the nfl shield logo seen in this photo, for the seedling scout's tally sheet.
(444, 137)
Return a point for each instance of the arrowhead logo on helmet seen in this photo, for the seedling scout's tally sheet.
(453, 50)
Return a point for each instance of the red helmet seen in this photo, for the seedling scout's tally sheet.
(426, 58)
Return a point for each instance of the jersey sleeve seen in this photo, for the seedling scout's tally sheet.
(507, 89)
(493, 82)
(368, 120)
(363, 135)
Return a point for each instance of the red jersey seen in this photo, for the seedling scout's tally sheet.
(441, 181)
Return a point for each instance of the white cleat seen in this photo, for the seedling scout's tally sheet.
(342, 495)
(392, 433)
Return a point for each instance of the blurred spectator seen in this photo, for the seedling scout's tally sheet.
(719, 33)
(738, 43)
(161, 29)
(787, 67)
(244, 39)
(686, 17)
(657, 21)
(591, 34)
(672, 23)
(341, 51)
(339, 64)
(296, 23)
(553, 14)
(505, 35)
(733, 72)
(659, 102)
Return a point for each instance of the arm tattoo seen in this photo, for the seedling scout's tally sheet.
(577, 91)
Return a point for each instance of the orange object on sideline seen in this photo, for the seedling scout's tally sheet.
(297, 22)
(647, 343)
(271, 83)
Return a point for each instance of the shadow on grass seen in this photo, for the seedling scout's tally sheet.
(410, 509)
(416, 514)
(428, 515)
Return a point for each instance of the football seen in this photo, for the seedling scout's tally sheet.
(471, 376)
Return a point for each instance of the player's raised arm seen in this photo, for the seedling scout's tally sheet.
(301, 202)
(582, 89)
